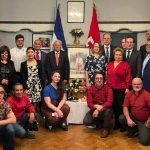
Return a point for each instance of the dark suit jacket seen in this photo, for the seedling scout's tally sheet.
(143, 51)
(63, 65)
(111, 52)
(24, 73)
(135, 63)
(146, 78)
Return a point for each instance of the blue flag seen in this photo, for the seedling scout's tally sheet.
(58, 31)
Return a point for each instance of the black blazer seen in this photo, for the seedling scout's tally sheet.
(146, 78)
(143, 51)
(24, 73)
(135, 62)
(111, 52)
(63, 65)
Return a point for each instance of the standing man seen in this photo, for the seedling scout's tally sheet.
(7, 119)
(57, 60)
(99, 99)
(136, 112)
(146, 69)
(23, 110)
(143, 47)
(133, 57)
(107, 48)
(40, 55)
(18, 55)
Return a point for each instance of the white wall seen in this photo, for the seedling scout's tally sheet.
(33, 11)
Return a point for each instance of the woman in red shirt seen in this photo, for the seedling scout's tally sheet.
(119, 79)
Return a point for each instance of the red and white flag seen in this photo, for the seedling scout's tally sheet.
(94, 34)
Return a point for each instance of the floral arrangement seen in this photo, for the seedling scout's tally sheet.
(76, 86)
(77, 32)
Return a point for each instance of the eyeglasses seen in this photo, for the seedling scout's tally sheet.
(4, 54)
(98, 78)
(147, 44)
(2, 92)
(136, 84)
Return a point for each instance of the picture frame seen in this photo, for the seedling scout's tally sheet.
(77, 57)
(45, 38)
(75, 11)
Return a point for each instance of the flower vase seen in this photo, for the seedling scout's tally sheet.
(76, 41)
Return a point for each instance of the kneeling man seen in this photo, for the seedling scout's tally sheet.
(136, 112)
(23, 110)
(99, 99)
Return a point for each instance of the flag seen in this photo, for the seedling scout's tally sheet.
(94, 34)
(58, 31)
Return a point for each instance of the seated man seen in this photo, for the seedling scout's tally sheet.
(23, 110)
(7, 118)
(99, 99)
(138, 118)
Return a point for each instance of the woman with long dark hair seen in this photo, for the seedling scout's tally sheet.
(55, 108)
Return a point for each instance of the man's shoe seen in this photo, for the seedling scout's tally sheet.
(104, 133)
(132, 134)
(30, 136)
(122, 129)
(35, 126)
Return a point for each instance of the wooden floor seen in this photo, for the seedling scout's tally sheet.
(77, 138)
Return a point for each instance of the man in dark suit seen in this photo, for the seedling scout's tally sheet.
(133, 57)
(40, 55)
(143, 47)
(146, 69)
(107, 48)
(57, 60)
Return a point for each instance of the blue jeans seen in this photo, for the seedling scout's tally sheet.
(20, 127)
(8, 136)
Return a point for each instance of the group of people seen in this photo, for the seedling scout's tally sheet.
(113, 77)
(28, 76)
(119, 87)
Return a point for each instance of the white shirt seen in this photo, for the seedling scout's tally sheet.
(105, 47)
(127, 52)
(18, 56)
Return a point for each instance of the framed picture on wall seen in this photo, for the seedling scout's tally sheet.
(75, 11)
(77, 58)
(46, 40)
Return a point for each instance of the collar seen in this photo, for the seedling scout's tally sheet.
(106, 46)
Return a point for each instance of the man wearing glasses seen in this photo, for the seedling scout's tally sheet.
(99, 99)
(136, 112)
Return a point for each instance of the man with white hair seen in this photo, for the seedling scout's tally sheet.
(57, 60)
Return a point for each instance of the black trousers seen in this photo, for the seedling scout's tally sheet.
(105, 116)
(119, 95)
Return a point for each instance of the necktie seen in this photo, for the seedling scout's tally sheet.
(107, 53)
(57, 58)
(37, 55)
(128, 54)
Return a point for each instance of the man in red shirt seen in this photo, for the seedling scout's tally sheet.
(23, 110)
(138, 118)
(99, 99)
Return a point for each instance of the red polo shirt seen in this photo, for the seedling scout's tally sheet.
(102, 96)
(139, 105)
(20, 105)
